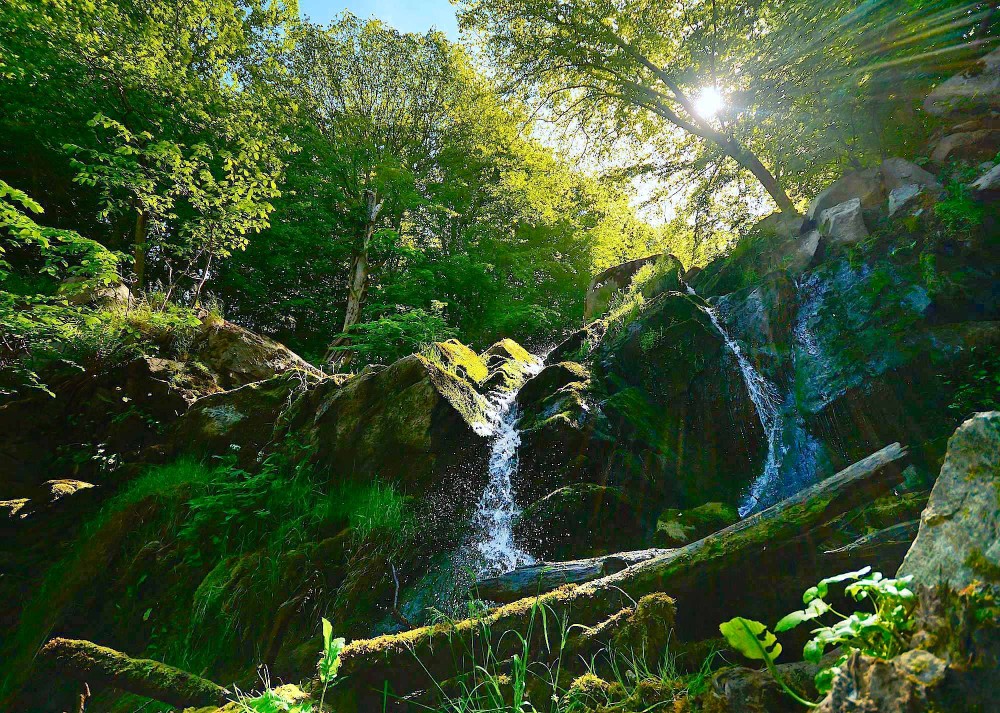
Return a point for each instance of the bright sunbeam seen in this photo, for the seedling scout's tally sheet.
(709, 102)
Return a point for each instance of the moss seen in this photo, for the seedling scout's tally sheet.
(982, 565)
(457, 359)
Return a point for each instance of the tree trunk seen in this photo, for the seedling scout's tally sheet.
(99, 665)
(540, 578)
(359, 281)
(748, 160)
(201, 282)
(139, 250)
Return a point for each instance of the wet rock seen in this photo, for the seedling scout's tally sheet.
(508, 364)
(843, 224)
(988, 183)
(676, 528)
(867, 187)
(408, 423)
(959, 537)
(548, 381)
(975, 90)
(585, 520)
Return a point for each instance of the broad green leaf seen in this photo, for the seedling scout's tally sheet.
(751, 638)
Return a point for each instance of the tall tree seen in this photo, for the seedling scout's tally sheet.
(384, 97)
(171, 110)
(637, 64)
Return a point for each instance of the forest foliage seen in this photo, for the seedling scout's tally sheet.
(356, 192)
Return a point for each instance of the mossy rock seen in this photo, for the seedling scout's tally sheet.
(773, 244)
(548, 381)
(508, 364)
(407, 423)
(676, 528)
(241, 420)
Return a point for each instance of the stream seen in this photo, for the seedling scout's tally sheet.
(790, 463)
(492, 524)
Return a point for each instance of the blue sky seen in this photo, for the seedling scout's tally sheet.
(405, 15)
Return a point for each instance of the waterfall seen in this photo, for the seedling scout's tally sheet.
(493, 548)
(767, 403)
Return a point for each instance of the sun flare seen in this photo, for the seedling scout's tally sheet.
(709, 102)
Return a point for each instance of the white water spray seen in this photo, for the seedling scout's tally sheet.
(493, 521)
(767, 403)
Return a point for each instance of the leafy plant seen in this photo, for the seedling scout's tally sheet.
(329, 662)
(878, 632)
(753, 640)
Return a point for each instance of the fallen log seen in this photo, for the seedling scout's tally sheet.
(546, 576)
(725, 574)
(100, 666)
(901, 535)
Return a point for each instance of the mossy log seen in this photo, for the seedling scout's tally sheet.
(546, 576)
(101, 666)
(708, 578)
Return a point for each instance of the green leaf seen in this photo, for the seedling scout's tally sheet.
(816, 608)
(824, 679)
(751, 638)
(327, 633)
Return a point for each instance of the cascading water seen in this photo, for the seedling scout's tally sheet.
(492, 544)
(767, 403)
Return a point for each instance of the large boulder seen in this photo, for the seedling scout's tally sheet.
(976, 140)
(959, 537)
(897, 172)
(974, 91)
(843, 224)
(409, 423)
(238, 356)
(240, 420)
(867, 187)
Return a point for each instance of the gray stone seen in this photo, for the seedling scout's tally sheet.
(959, 537)
(115, 295)
(898, 172)
(903, 196)
(801, 257)
(974, 90)
(867, 186)
(989, 181)
(843, 224)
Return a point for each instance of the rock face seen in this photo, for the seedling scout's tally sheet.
(583, 520)
(959, 537)
(973, 91)
(867, 187)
